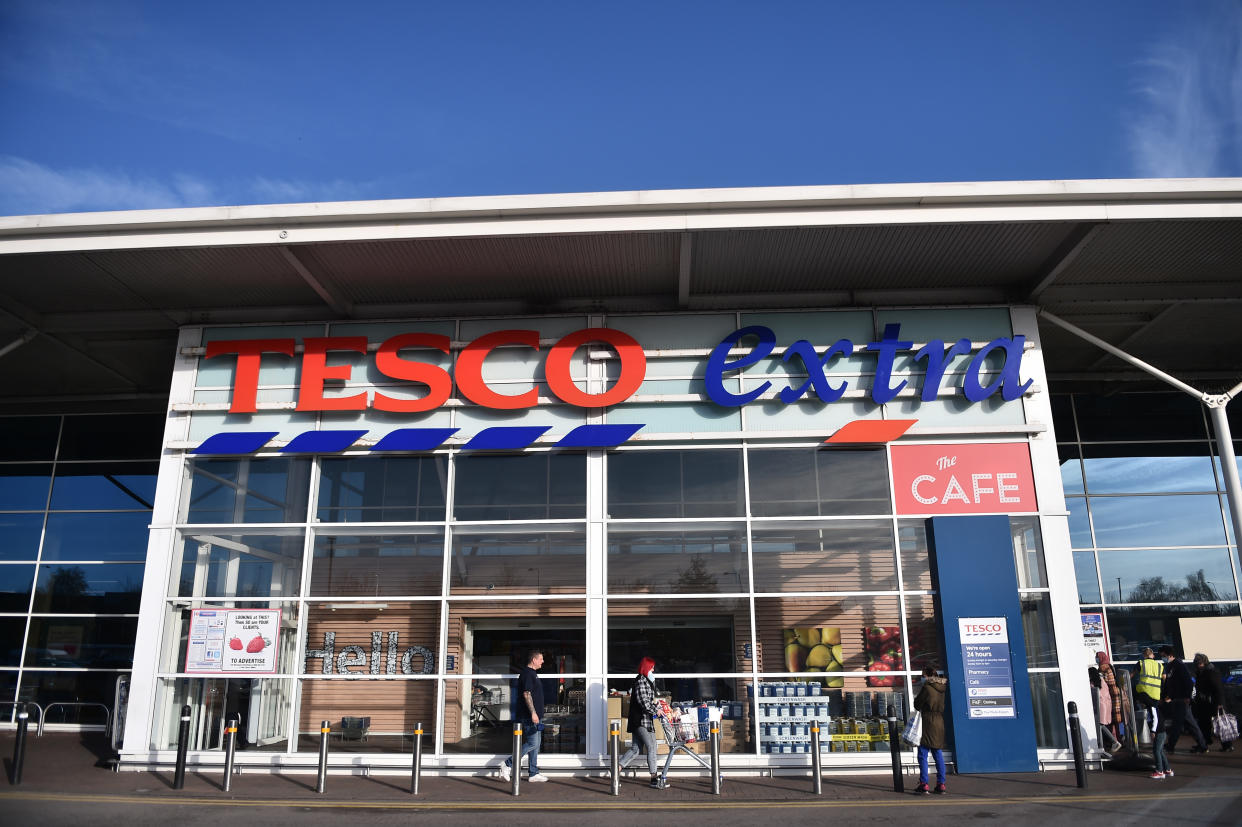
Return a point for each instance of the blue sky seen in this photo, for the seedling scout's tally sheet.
(118, 105)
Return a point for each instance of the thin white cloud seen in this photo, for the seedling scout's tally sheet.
(27, 187)
(1190, 124)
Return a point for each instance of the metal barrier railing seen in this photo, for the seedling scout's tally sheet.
(20, 704)
(78, 704)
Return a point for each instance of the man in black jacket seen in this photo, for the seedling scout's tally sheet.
(1178, 687)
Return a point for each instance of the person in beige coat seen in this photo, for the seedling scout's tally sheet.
(930, 704)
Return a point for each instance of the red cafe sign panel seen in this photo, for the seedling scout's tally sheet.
(963, 479)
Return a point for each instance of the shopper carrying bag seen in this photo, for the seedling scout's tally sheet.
(913, 733)
(930, 702)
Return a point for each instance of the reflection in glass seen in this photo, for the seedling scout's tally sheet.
(388, 564)
(12, 641)
(241, 565)
(247, 490)
(71, 688)
(261, 705)
(1079, 522)
(541, 562)
(643, 484)
(15, 583)
(1130, 628)
(95, 588)
(1148, 468)
(667, 560)
(1167, 576)
(520, 487)
(693, 635)
(1139, 416)
(112, 436)
(1071, 470)
(77, 642)
(1173, 520)
(1028, 552)
(114, 535)
(24, 486)
(1048, 710)
(915, 554)
(1037, 631)
(923, 628)
(845, 555)
(390, 489)
(1084, 572)
(808, 482)
(29, 437)
(1063, 416)
(127, 485)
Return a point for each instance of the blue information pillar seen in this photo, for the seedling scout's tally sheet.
(981, 618)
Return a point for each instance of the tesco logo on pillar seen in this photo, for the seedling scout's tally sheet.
(963, 479)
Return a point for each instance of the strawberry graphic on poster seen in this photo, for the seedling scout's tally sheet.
(251, 641)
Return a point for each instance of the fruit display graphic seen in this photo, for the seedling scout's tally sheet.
(258, 644)
(235, 644)
(810, 649)
(883, 655)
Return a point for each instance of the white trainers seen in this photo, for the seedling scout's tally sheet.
(1168, 773)
(538, 778)
(505, 774)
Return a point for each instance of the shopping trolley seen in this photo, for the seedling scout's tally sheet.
(678, 734)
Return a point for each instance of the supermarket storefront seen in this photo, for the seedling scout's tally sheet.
(368, 523)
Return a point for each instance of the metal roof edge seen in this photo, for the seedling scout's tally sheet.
(983, 193)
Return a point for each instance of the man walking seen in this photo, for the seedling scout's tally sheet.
(1177, 691)
(528, 710)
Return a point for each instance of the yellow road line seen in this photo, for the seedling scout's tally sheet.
(910, 801)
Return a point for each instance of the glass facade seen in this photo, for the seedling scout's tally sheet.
(76, 499)
(1149, 521)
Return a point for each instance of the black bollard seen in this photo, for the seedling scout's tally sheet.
(614, 755)
(19, 745)
(716, 776)
(230, 751)
(1080, 762)
(817, 773)
(183, 745)
(515, 777)
(416, 770)
(894, 748)
(325, 729)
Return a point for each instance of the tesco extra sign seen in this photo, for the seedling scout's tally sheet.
(983, 629)
(986, 478)
(396, 359)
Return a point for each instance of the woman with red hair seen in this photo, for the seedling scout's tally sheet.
(643, 711)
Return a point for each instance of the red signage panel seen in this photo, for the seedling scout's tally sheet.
(963, 479)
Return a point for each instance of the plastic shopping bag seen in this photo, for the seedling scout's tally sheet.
(913, 733)
(1226, 727)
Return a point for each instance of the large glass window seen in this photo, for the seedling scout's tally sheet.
(81, 642)
(826, 482)
(844, 555)
(377, 489)
(116, 535)
(1176, 520)
(671, 558)
(247, 490)
(114, 588)
(15, 583)
(240, 565)
(21, 533)
(647, 484)
(24, 487)
(1184, 575)
(104, 485)
(530, 487)
(378, 564)
(507, 560)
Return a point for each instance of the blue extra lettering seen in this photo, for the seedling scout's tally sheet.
(937, 362)
(887, 348)
(717, 365)
(1009, 378)
(816, 370)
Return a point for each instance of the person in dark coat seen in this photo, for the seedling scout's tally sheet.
(1178, 687)
(930, 703)
(1209, 698)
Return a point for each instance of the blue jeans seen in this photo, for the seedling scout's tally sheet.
(645, 739)
(530, 744)
(1157, 751)
(939, 756)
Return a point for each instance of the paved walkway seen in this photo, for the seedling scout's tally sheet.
(67, 773)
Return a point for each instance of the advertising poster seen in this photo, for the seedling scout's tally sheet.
(986, 665)
(1093, 633)
(233, 641)
(815, 650)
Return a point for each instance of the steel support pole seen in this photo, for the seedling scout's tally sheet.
(183, 745)
(1080, 762)
(614, 755)
(325, 729)
(817, 771)
(515, 776)
(230, 751)
(416, 768)
(894, 749)
(715, 744)
(19, 745)
(1229, 463)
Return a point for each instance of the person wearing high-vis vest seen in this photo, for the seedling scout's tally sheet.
(1148, 676)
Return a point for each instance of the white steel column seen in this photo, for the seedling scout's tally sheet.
(596, 574)
(1073, 657)
(161, 547)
